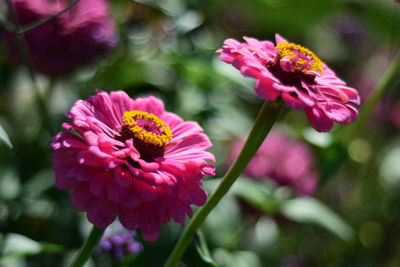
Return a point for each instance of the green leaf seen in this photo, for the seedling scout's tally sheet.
(203, 250)
(4, 137)
(311, 210)
(19, 246)
(257, 194)
(237, 258)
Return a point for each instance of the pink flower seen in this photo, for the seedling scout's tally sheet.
(395, 114)
(133, 159)
(286, 161)
(72, 39)
(297, 76)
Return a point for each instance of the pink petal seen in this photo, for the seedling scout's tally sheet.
(337, 112)
(171, 119)
(318, 120)
(148, 166)
(280, 39)
(292, 102)
(129, 217)
(99, 184)
(121, 103)
(102, 212)
(150, 225)
(185, 129)
(116, 193)
(149, 104)
(81, 197)
(104, 110)
(145, 191)
(123, 177)
(264, 90)
(190, 147)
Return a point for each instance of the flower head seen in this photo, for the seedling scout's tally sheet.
(68, 41)
(133, 159)
(296, 75)
(286, 161)
(119, 241)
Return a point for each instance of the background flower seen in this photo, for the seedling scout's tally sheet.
(297, 75)
(286, 161)
(133, 159)
(119, 242)
(73, 39)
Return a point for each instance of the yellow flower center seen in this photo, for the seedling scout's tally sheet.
(147, 127)
(301, 58)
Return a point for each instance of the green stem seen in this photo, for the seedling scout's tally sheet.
(23, 47)
(37, 24)
(382, 86)
(88, 247)
(266, 118)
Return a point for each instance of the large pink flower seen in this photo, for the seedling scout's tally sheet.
(297, 75)
(74, 38)
(287, 161)
(133, 159)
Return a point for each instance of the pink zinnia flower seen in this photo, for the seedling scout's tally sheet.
(74, 38)
(133, 159)
(285, 160)
(297, 75)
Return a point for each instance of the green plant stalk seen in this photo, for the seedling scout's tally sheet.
(38, 23)
(268, 115)
(23, 47)
(86, 250)
(382, 86)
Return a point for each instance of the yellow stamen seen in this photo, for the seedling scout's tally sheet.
(161, 139)
(286, 49)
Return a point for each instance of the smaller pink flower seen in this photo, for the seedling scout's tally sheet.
(297, 76)
(132, 159)
(396, 114)
(286, 161)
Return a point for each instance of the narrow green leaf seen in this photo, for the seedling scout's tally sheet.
(4, 137)
(203, 250)
(311, 210)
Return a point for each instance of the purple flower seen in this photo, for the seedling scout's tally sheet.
(70, 40)
(119, 241)
(286, 161)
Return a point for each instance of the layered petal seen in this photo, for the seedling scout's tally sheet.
(114, 172)
(297, 76)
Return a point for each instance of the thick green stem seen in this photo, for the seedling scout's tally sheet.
(88, 247)
(266, 118)
(382, 86)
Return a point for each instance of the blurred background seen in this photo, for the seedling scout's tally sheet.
(336, 206)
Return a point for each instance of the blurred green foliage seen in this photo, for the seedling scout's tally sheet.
(167, 49)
